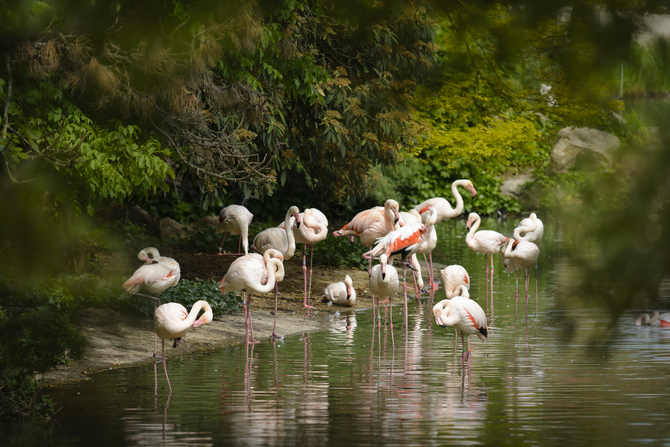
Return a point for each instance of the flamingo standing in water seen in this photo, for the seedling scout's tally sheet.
(531, 229)
(384, 283)
(172, 321)
(485, 241)
(657, 319)
(371, 224)
(314, 228)
(520, 254)
(236, 219)
(156, 275)
(341, 293)
(463, 314)
(251, 274)
(452, 277)
(404, 242)
(444, 211)
(426, 245)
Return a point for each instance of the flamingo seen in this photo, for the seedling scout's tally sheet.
(404, 241)
(656, 319)
(172, 321)
(236, 219)
(426, 245)
(371, 224)
(251, 274)
(279, 238)
(314, 229)
(384, 283)
(444, 211)
(341, 293)
(156, 275)
(443, 207)
(531, 229)
(485, 241)
(520, 254)
(463, 314)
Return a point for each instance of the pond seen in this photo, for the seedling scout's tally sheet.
(547, 380)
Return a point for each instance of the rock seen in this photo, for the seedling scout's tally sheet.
(172, 228)
(524, 188)
(207, 222)
(513, 186)
(583, 148)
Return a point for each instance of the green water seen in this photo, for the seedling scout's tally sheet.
(555, 380)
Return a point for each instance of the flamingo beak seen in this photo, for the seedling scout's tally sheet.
(351, 240)
(297, 221)
(439, 322)
(383, 275)
(472, 190)
(397, 216)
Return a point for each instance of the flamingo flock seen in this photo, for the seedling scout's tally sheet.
(391, 236)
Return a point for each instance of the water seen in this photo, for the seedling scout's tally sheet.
(549, 381)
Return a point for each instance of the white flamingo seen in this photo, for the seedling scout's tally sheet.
(279, 238)
(236, 219)
(531, 229)
(172, 321)
(384, 283)
(156, 275)
(444, 211)
(463, 314)
(485, 241)
(251, 274)
(520, 254)
(341, 293)
(453, 276)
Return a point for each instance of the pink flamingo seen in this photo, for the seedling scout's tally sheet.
(236, 219)
(371, 224)
(314, 228)
(657, 319)
(384, 283)
(485, 241)
(341, 293)
(463, 314)
(156, 275)
(444, 211)
(426, 245)
(520, 254)
(251, 274)
(404, 242)
(171, 321)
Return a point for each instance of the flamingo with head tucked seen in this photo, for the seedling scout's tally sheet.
(172, 321)
(463, 314)
(485, 241)
(314, 228)
(251, 274)
(531, 229)
(156, 275)
(279, 238)
(236, 219)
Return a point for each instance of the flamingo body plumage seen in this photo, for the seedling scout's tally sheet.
(657, 319)
(453, 276)
(281, 239)
(442, 206)
(236, 219)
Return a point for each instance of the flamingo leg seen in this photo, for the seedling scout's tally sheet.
(165, 369)
(391, 318)
(274, 325)
(251, 325)
(516, 293)
(222, 240)
(309, 290)
(536, 295)
(304, 272)
(239, 246)
(492, 270)
(246, 318)
(463, 348)
(157, 302)
(527, 294)
(468, 337)
(486, 263)
(404, 289)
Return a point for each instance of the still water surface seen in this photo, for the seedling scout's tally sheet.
(546, 381)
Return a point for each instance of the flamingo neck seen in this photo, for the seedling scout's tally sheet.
(473, 228)
(290, 240)
(459, 200)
